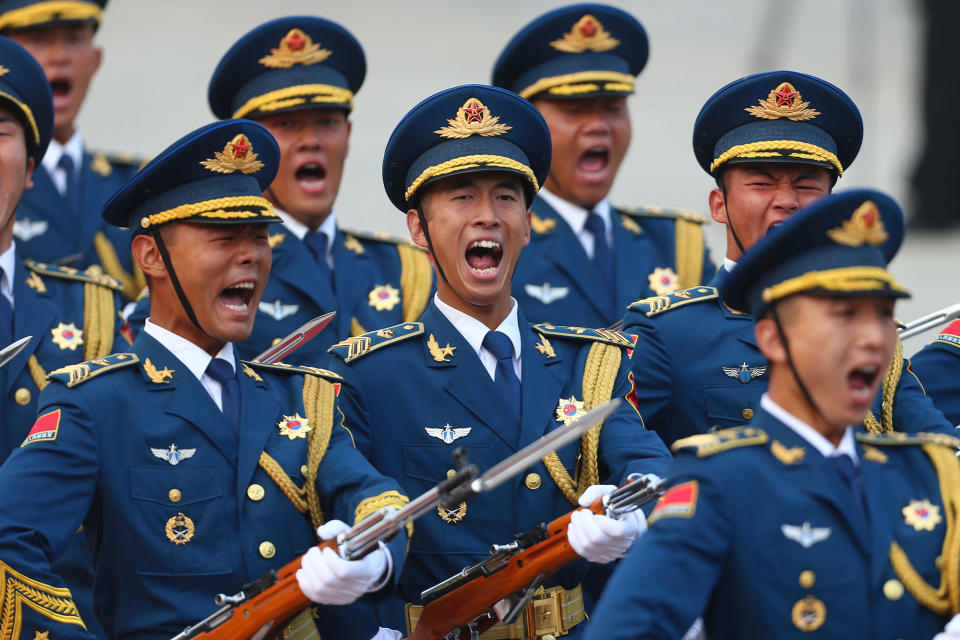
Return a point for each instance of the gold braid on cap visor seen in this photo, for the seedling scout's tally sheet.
(27, 113)
(572, 83)
(287, 97)
(779, 149)
(471, 162)
(851, 279)
(214, 209)
(43, 12)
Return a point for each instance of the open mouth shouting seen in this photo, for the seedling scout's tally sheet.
(236, 298)
(62, 89)
(593, 163)
(312, 177)
(484, 258)
(862, 383)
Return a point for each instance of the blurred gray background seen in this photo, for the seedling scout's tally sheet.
(158, 57)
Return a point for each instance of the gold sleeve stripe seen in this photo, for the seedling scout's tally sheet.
(620, 82)
(416, 278)
(17, 591)
(293, 96)
(689, 253)
(42, 12)
(470, 162)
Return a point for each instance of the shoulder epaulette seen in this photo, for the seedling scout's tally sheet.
(898, 438)
(583, 333)
(290, 368)
(658, 304)
(74, 374)
(92, 275)
(378, 236)
(653, 211)
(707, 444)
(356, 346)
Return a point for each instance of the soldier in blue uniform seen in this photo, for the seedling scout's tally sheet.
(588, 259)
(464, 165)
(801, 524)
(774, 142)
(937, 366)
(191, 471)
(58, 221)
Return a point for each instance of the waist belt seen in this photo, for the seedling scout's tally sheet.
(551, 613)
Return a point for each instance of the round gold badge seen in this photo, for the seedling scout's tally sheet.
(533, 481)
(179, 529)
(807, 579)
(22, 396)
(893, 589)
(255, 492)
(175, 495)
(809, 614)
(747, 413)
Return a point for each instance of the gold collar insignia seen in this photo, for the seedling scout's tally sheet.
(163, 376)
(440, 354)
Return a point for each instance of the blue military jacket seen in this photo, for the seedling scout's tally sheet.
(415, 392)
(46, 230)
(175, 506)
(937, 365)
(759, 534)
(697, 367)
(656, 251)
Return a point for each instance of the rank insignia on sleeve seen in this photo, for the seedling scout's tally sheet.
(383, 297)
(448, 434)
(783, 102)
(663, 281)
(237, 155)
(67, 336)
(179, 529)
(744, 373)
(173, 455)
(297, 47)
(587, 34)
(44, 429)
(922, 515)
(809, 614)
(277, 310)
(679, 501)
(162, 376)
(569, 409)
(473, 118)
(440, 354)
(805, 535)
(294, 426)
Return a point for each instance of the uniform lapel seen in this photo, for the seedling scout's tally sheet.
(258, 420)
(33, 314)
(541, 383)
(351, 273)
(294, 265)
(632, 258)
(877, 489)
(91, 200)
(745, 333)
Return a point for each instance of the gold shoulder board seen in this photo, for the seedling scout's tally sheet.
(708, 444)
(355, 346)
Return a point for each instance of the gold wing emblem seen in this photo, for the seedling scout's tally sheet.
(237, 155)
(473, 118)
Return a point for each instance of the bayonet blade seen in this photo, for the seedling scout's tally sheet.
(10, 352)
(299, 337)
(930, 321)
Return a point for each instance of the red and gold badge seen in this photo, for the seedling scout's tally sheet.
(294, 426)
(569, 409)
(383, 297)
(663, 281)
(922, 515)
(237, 155)
(44, 429)
(678, 502)
(67, 336)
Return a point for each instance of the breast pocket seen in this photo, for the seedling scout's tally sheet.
(181, 520)
(732, 405)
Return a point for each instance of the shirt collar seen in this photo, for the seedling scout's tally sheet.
(574, 215)
(297, 228)
(192, 356)
(729, 264)
(474, 331)
(55, 150)
(8, 262)
(813, 437)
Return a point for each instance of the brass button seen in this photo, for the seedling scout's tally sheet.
(303, 470)
(807, 579)
(275, 341)
(533, 481)
(255, 492)
(174, 495)
(267, 550)
(893, 589)
(22, 396)
(451, 473)
(747, 413)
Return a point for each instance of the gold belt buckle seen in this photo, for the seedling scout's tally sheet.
(546, 612)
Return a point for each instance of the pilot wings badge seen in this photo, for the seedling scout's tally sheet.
(545, 293)
(27, 229)
(448, 434)
(277, 310)
(744, 373)
(173, 455)
(805, 535)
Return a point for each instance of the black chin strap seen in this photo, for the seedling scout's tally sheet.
(165, 256)
(733, 232)
(426, 234)
(793, 368)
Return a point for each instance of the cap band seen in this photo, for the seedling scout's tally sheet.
(574, 83)
(216, 208)
(779, 148)
(842, 279)
(293, 96)
(470, 162)
(28, 114)
(43, 12)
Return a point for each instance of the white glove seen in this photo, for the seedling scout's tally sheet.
(599, 538)
(387, 634)
(326, 578)
(951, 631)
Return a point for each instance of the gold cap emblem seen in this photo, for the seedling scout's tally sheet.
(864, 227)
(783, 102)
(586, 35)
(473, 118)
(237, 155)
(295, 48)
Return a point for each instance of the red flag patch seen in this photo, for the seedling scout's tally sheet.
(678, 502)
(45, 428)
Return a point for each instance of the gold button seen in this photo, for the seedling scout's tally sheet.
(532, 481)
(807, 579)
(22, 396)
(893, 589)
(303, 470)
(451, 473)
(174, 495)
(275, 341)
(267, 550)
(255, 492)
(747, 414)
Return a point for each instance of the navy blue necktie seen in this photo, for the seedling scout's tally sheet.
(221, 371)
(848, 472)
(505, 379)
(6, 316)
(602, 255)
(72, 191)
(317, 242)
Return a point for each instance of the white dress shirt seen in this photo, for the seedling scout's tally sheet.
(474, 331)
(576, 217)
(51, 159)
(297, 228)
(814, 438)
(193, 357)
(8, 262)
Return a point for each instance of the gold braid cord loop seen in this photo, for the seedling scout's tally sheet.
(294, 493)
(689, 253)
(17, 591)
(133, 283)
(37, 372)
(356, 329)
(416, 276)
(944, 600)
(98, 321)
(599, 376)
(318, 402)
(890, 381)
